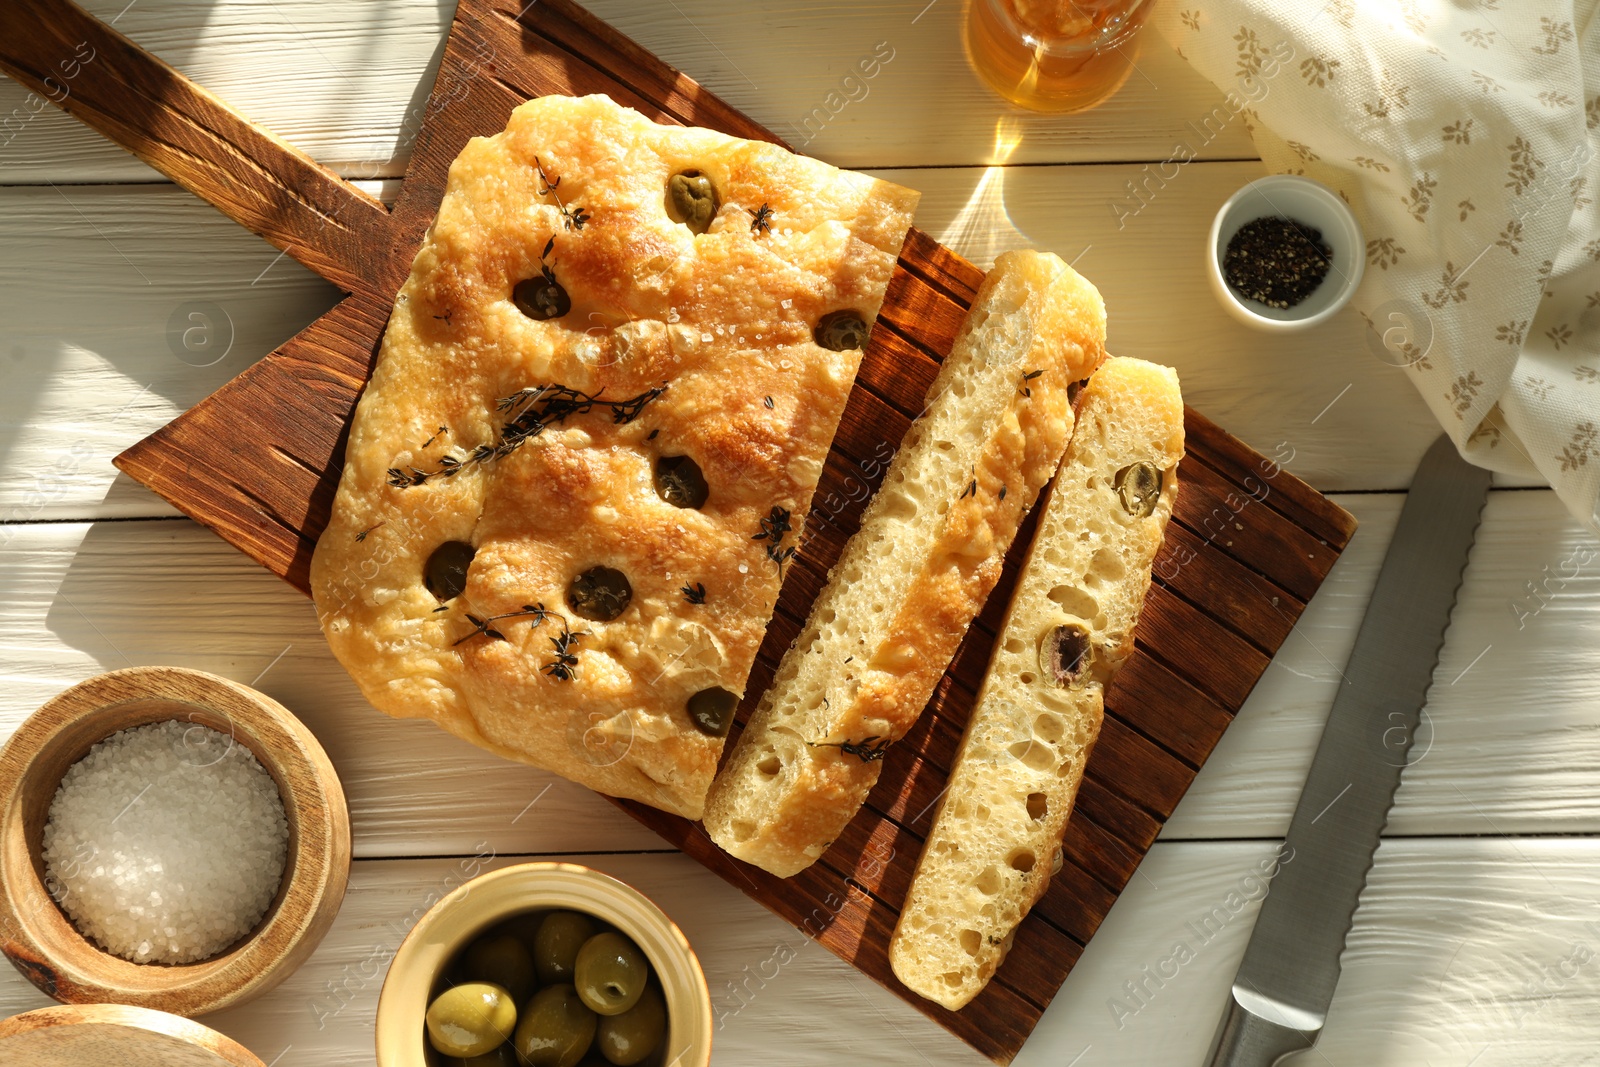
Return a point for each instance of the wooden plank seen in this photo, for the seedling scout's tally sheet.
(256, 179)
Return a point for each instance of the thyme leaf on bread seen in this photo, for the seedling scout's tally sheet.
(774, 528)
(694, 594)
(574, 217)
(868, 750)
(1025, 389)
(485, 626)
(528, 413)
(761, 219)
(564, 667)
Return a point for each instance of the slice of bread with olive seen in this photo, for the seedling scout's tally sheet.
(603, 402)
(929, 550)
(996, 838)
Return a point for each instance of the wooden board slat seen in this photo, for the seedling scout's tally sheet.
(1242, 524)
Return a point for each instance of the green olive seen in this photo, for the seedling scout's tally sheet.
(502, 959)
(842, 331)
(612, 973)
(692, 200)
(555, 948)
(712, 710)
(556, 1028)
(628, 1038)
(504, 1056)
(471, 1019)
(1139, 486)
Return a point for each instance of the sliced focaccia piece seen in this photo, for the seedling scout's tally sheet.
(916, 573)
(996, 838)
(603, 402)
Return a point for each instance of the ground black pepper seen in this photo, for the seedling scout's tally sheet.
(1276, 261)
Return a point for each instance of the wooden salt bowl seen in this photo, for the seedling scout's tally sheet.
(93, 1035)
(38, 937)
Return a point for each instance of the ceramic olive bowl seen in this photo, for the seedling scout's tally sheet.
(492, 898)
(40, 939)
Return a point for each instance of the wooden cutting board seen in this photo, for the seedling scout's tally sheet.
(258, 462)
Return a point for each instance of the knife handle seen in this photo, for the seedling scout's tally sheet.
(1245, 1039)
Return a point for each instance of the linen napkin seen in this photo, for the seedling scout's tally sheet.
(1464, 136)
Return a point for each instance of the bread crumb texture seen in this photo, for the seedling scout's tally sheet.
(603, 400)
(996, 838)
(929, 549)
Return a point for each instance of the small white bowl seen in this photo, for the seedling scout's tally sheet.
(1305, 201)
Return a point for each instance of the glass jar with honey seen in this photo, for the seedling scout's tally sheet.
(1054, 55)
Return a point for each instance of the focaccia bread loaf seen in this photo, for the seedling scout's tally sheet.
(996, 838)
(601, 407)
(929, 550)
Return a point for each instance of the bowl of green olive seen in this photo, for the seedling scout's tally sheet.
(544, 965)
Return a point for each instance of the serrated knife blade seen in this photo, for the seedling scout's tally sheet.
(1280, 996)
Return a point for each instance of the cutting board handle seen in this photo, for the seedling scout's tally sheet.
(260, 181)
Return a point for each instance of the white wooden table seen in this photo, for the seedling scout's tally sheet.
(1478, 940)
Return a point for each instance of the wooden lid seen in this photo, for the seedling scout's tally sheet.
(93, 1035)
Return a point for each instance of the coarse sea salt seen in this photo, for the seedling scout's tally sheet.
(166, 843)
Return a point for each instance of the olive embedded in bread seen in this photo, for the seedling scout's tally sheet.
(712, 710)
(446, 572)
(541, 298)
(692, 200)
(557, 1028)
(1064, 654)
(556, 945)
(599, 594)
(842, 331)
(679, 482)
(612, 973)
(1139, 486)
(471, 1019)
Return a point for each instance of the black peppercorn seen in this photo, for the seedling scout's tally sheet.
(1276, 261)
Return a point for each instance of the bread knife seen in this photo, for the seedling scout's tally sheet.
(1280, 996)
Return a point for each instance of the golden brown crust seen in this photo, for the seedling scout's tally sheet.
(723, 320)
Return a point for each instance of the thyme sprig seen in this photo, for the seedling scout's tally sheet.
(528, 413)
(1025, 389)
(694, 594)
(564, 667)
(575, 217)
(774, 528)
(868, 750)
(486, 626)
(761, 219)
(362, 536)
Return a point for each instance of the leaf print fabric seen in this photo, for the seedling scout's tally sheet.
(1466, 136)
